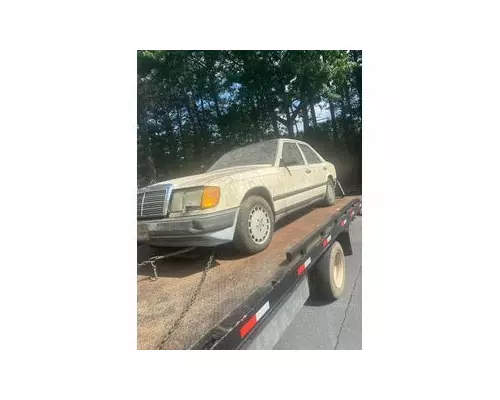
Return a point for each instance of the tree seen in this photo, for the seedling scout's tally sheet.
(195, 105)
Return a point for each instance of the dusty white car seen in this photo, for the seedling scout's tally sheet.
(238, 199)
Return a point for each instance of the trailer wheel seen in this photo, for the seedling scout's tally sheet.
(329, 198)
(255, 226)
(328, 278)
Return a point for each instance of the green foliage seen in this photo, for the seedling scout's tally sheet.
(194, 106)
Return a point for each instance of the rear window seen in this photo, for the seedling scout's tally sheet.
(311, 157)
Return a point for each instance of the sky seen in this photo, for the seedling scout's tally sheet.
(322, 115)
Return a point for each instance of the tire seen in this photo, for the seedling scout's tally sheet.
(329, 199)
(328, 277)
(255, 226)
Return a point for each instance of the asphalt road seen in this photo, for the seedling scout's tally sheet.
(336, 325)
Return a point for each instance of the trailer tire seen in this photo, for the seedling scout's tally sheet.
(255, 213)
(329, 198)
(329, 276)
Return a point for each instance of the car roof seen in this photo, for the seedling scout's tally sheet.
(284, 139)
(292, 140)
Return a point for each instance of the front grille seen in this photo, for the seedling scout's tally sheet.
(151, 203)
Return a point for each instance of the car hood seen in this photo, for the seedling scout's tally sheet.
(205, 178)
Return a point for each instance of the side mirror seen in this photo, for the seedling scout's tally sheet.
(282, 163)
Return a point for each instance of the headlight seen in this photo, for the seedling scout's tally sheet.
(177, 202)
(195, 199)
(192, 198)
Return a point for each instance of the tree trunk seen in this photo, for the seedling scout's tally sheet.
(220, 126)
(332, 121)
(182, 137)
(273, 117)
(146, 145)
(195, 123)
(144, 137)
(172, 144)
(348, 102)
(289, 123)
(358, 77)
(359, 89)
(313, 112)
(204, 128)
(254, 119)
(313, 116)
(274, 122)
(343, 113)
(142, 101)
(305, 119)
(215, 97)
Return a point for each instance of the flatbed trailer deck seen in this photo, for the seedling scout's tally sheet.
(240, 295)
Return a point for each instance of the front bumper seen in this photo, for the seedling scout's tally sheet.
(201, 230)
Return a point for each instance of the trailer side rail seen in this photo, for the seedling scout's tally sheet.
(235, 331)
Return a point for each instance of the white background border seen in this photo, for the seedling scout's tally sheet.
(429, 225)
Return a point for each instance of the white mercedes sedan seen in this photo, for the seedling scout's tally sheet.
(238, 199)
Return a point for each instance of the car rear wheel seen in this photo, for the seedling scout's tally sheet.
(255, 225)
(329, 199)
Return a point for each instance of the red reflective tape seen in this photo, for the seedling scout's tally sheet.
(301, 269)
(248, 326)
(327, 240)
(343, 222)
(352, 213)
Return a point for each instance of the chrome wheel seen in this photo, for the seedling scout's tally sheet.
(259, 224)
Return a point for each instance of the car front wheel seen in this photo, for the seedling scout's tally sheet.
(255, 225)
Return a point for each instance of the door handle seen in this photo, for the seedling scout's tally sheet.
(308, 171)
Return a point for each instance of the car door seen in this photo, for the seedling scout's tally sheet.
(318, 173)
(296, 176)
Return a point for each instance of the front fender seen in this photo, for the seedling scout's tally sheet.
(233, 191)
(230, 192)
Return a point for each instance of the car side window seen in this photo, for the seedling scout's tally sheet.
(311, 157)
(291, 154)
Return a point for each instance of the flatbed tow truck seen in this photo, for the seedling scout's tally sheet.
(217, 299)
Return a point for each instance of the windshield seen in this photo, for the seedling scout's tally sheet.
(256, 153)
